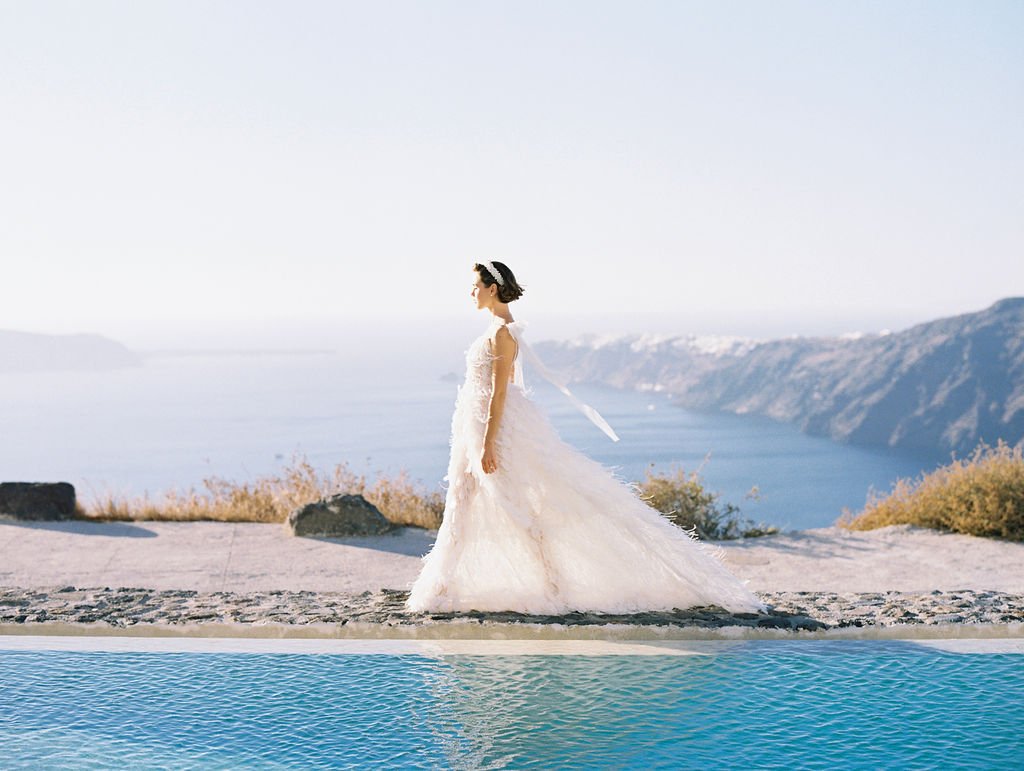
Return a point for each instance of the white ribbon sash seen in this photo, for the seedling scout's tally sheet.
(516, 328)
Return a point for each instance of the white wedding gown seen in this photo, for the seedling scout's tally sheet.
(551, 530)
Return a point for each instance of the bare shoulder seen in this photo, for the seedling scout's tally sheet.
(503, 341)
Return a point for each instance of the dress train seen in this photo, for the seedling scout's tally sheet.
(553, 531)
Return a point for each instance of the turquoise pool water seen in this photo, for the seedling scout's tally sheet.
(756, 704)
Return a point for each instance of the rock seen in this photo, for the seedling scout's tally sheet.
(37, 500)
(339, 515)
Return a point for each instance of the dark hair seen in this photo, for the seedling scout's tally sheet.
(507, 293)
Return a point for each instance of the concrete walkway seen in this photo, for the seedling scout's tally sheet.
(205, 556)
(241, 557)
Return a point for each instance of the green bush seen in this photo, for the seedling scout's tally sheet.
(683, 499)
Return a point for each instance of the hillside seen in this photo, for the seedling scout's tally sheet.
(940, 385)
(36, 352)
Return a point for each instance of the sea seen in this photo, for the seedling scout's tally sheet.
(383, 405)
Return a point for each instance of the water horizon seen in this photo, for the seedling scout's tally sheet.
(179, 419)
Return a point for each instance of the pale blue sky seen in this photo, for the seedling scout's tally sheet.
(276, 161)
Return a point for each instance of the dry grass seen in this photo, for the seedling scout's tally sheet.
(684, 500)
(272, 498)
(982, 495)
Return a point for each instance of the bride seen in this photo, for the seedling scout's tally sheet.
(533, 525)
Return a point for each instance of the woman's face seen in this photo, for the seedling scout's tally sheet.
(483, 295)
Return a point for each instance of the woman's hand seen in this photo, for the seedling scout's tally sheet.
(489, 459)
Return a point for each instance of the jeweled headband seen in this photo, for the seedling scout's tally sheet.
(494, 272)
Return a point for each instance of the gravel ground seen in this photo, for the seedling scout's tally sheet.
(38, 610)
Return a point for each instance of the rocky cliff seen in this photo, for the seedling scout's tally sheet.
(940, 385)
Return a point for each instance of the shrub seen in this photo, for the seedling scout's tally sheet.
(684, 500)
(271, 498)
(983, 495)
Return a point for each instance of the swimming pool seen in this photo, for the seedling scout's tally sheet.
(221, 703)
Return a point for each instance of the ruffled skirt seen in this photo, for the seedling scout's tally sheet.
(552, 531)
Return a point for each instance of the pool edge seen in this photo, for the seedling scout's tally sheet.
(473, 630)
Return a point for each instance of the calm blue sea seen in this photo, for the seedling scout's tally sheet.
(182, 418)
(808, 704)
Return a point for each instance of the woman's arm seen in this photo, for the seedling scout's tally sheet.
(505, 348)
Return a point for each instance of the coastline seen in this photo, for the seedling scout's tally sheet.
(216, 579)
